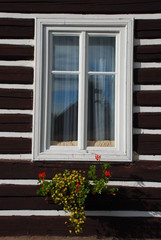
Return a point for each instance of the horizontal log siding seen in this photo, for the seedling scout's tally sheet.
(139, 171)
(16, 99)
(16, 52)
(147, 144)
(139, 199)
(128, 198)
(15, 145)
(148, 29)
(101, 227)
(84, 7)
(15, 123)
(12, 28)
(147, 98)
(147, 76)
(147, 120)
(16, 75)
(20, 195)
(147, 53)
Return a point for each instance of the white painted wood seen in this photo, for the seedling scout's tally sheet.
(147, 157)
(135, 184)
(122, 29)
(29, 42)
(147, 87)
(15, 111)
(65, 72)
(61, 213)
(124, 213)
(16, 134)
(16, 86)
(55, 16)
(139, 184)
(146, 131)
(82, 92)
(16, 157)
(141, 42)
(146, 109)
(102, 73)
(147, 65)
(17, 63)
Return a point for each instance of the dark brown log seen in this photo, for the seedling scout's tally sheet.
(147, 76)
(139, 171)
(16, 52)
(147, 53)
(22, 191)
(148, 29)
(85, 7)
(147, 120)
(126, 199)
(147, 144)
(15, 145)
(147, 98)
(16, 75)
(102, 227)
(16, 99)
(11, 190)
(15, 123)
(13, 28)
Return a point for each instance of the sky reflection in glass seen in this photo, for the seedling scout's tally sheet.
(65, 53)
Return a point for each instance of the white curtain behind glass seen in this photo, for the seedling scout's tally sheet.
(64, 122)
(101, 88)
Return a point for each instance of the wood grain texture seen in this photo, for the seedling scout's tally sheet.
(16, 52)
(95, 226)
(15, 145)
(147, 76)
(127, 198)
(151, 53)
(15, 123)
(139, 171)
(147, 144)
(16, 75)
(148, 29)
(79, 6)
(147, 120)
(16, 99)
(147, 98)
(12, 28)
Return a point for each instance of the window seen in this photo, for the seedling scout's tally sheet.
(83, 88)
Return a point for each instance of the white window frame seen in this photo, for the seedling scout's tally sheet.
(122, 28)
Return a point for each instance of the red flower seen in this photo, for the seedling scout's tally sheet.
(42, 175)
(97, 157)
(107, 173)
(77, 185)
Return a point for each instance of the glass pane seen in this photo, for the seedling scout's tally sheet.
(101, 111)
(65, 53)
(64, 114)
(101, 54)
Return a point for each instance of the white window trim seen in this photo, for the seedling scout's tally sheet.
(123, 28)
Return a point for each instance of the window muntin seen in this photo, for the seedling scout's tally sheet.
(84, 27)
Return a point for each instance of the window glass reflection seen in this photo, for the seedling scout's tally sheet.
(64, 114)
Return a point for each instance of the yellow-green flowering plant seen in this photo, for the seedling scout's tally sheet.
(70, 190)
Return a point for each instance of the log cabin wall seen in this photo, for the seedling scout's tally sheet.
(136, 210)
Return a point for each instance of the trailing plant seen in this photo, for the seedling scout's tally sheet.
(70, 190)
